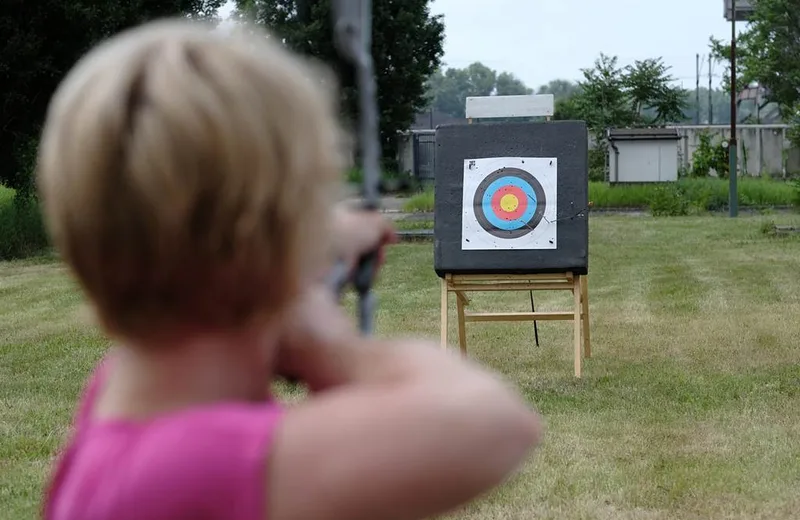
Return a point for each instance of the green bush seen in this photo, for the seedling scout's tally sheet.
(422, 202)
(709, 156)
(598, 159)
(22, 231)
(669, 201)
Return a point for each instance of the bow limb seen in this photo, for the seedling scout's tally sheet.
(353, 37)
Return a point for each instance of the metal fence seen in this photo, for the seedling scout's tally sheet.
(764, 149)
(424, 155)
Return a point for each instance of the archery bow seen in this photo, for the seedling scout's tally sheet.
(352, 21)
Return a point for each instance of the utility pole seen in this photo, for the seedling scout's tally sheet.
(697, 90)
(733, 202)
(710, 98)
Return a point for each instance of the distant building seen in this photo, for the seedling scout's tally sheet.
(752, 105)
(430, 119)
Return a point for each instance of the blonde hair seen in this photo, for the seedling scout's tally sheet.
(186, 177)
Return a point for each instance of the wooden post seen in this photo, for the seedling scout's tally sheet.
(577, 325)
(587, 344)
(461, 302)
(443, 324)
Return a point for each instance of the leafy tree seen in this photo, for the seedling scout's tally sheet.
(636, 95)
(406, 47)
(449, 89)
(567, 109)
(561, 89)
(508, 84)
(768, 54)
(42, 40)
(648, 83)
(603, 100)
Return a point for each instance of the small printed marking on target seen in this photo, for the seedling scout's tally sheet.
(510, 203)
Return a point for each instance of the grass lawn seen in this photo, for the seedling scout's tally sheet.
(689, 409)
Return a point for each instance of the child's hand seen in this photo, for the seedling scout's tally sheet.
(357, 233)
(314, 332)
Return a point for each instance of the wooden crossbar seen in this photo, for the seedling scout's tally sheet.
(579, 315)
(518, 316)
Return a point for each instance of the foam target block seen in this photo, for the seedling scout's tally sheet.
(511, 198)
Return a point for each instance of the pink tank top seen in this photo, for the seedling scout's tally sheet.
(206, 463)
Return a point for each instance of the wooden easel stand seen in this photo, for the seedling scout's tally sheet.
(461, 284)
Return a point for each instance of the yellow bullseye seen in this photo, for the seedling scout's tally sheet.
(509, 202)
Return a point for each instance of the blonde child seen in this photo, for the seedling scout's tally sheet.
(188, 179)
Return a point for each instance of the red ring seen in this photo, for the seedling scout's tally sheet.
(509, 215)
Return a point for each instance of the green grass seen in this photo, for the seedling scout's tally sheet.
(413, 225)
(688, 409)
(705, 194)
(701, 194)
(420, 202)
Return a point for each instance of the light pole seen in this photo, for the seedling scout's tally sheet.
(733, 202)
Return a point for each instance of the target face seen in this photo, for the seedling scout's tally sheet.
(509, 203)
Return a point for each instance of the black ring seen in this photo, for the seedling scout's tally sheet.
(541, 203)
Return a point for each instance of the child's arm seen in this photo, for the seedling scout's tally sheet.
(394, 430)
(398, 430)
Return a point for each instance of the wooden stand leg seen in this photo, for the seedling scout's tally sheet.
(461, 301)
(587, 342)
(444, 313)
(576, 291)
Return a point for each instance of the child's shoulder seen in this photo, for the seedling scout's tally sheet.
(209, 459)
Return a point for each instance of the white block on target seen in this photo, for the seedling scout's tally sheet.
(529, 105)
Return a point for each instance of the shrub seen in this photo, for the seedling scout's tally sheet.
(669, 201)
(22, 231)
(709, 157)
(598, 159)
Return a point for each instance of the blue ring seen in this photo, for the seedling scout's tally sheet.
(509, 225)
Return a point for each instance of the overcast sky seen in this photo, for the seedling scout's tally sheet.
(540, 40)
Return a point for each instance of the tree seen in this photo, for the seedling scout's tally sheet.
(42, 40)
(603, 100)
(561, 89)
(406, 47)
(648, 84)
(567, 109)
(449, 89)
(636, 95)
(768, 54)
(508, 84)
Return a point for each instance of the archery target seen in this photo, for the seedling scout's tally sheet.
(509, 203)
